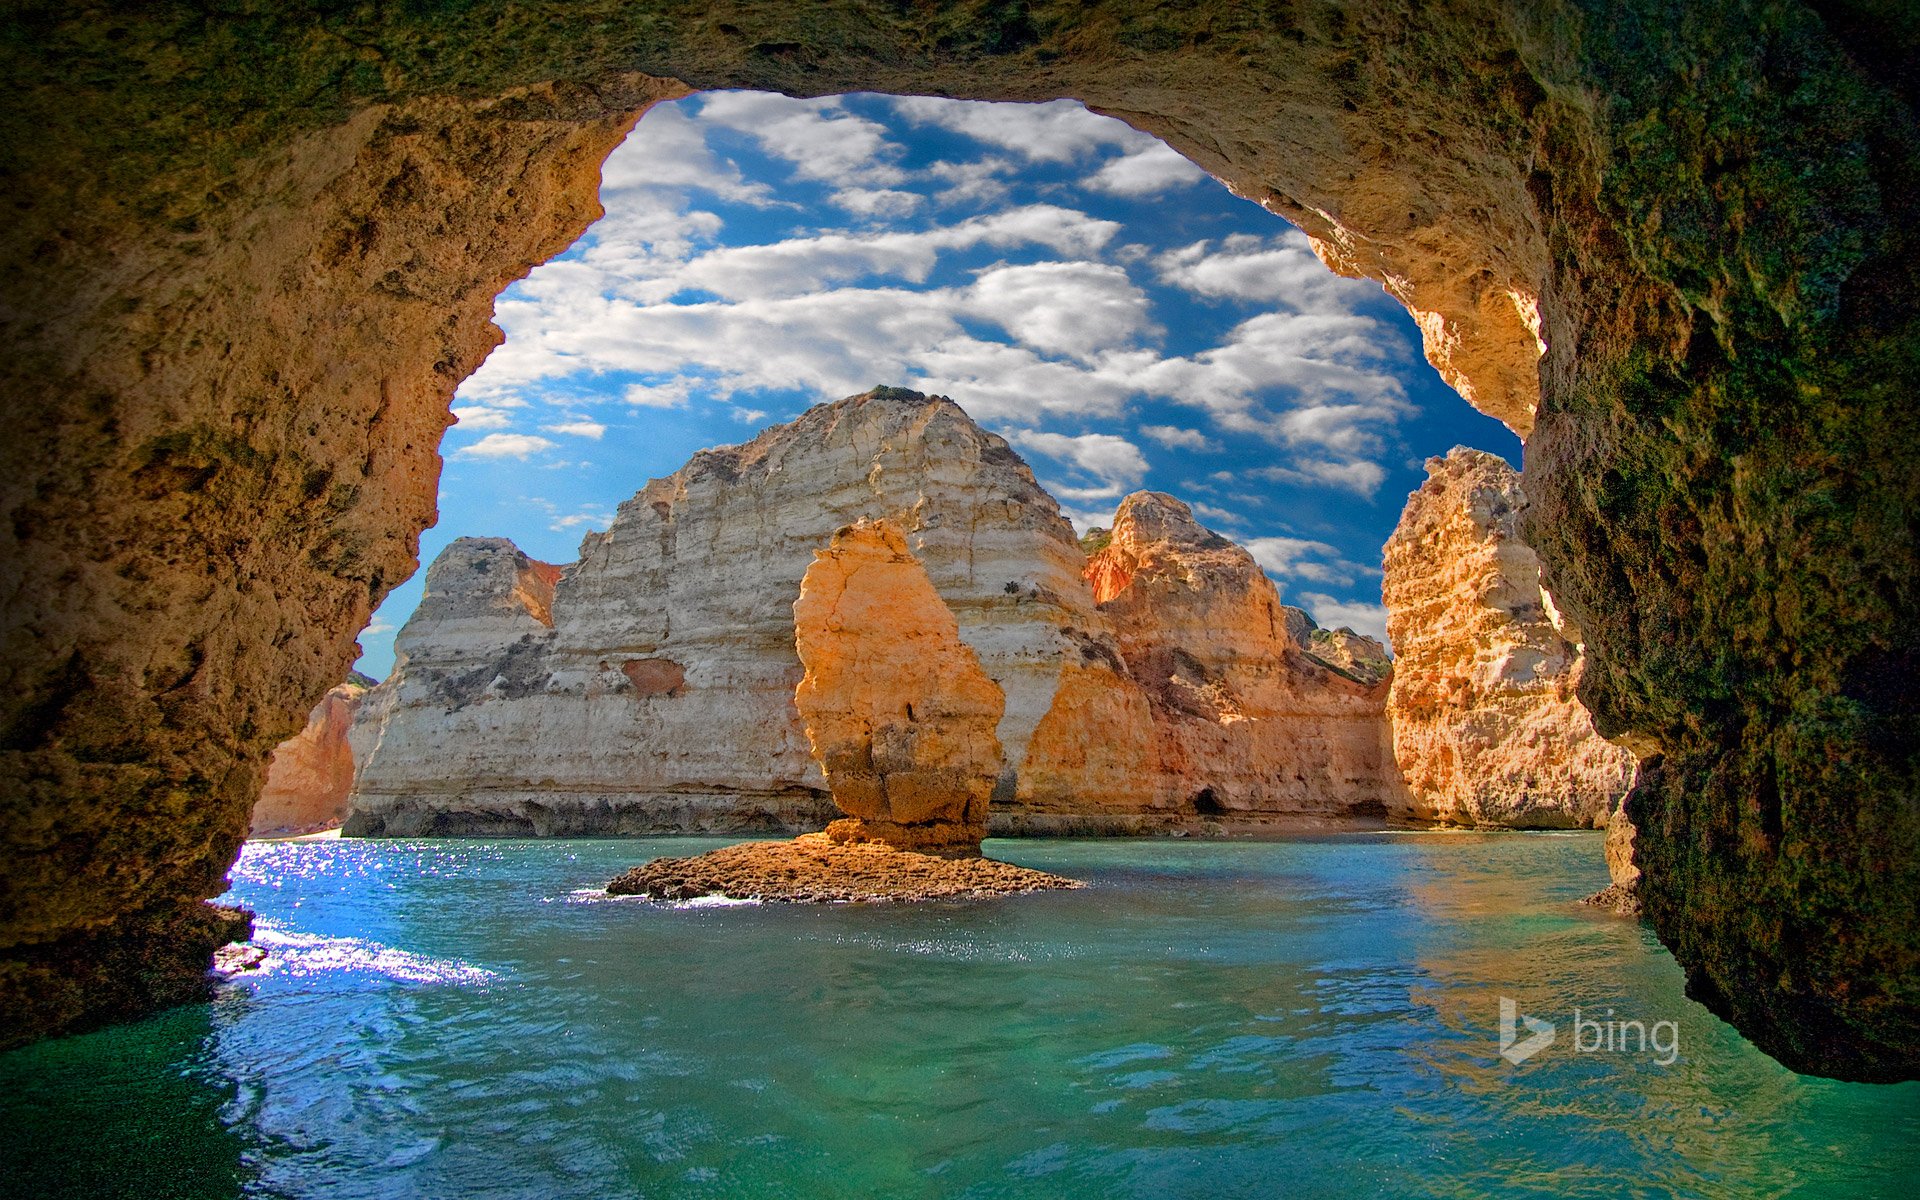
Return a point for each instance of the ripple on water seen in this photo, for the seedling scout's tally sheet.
(1311, 1018)
(307, 955)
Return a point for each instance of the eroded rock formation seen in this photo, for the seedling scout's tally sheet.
(814, 868)
(247, 263)
(656, 693)
(898, 712)
(1244, 720)
(649, 690)
(311, 773)
(1622, 893)
(1486, 724)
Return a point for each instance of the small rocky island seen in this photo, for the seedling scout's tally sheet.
(901, 718)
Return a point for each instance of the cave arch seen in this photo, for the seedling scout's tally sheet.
(249, 257)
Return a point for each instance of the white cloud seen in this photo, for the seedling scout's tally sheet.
(1115, 463)
(1283, 555)
(800, 265)
(1214, 512)
(1155, 168)
(1175, 438)
(1282, 270)
(505, 445)
(669, 150)
(1302, 558)
(889, 203)
(821, 138)
(1059, 131)
(475, 416)
(1360, 478)
(674, 393)
(1088, 518)
(1071, 308)
(593, 517)
(582, 428)
(1329, 613)
(981, 181)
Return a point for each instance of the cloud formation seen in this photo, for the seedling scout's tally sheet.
(1035, 262)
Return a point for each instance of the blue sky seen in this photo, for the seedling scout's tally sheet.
(1122, 318)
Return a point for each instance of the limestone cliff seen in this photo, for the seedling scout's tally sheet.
(898, 713)
(657, 693)
(244, 273)
(311, 773)
(1486, 725)
(1246, 722)
(651, 687)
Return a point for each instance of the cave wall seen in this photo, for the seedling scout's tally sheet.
(249, 256)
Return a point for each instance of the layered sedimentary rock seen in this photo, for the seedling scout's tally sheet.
(1487, 727)
(653, 688)
(814, 868)
(657, 693)
(310, 775)
(1242, 721)
(898, 713)
(245, 272)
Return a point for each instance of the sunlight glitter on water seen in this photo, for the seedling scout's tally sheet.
(1313, 1017)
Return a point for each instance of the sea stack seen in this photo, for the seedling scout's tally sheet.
(1487, 727)
(898, 712)
(310, 777)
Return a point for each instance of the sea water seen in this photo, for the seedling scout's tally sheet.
(1305, 1017)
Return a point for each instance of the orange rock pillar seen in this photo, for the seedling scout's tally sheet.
(898, 712)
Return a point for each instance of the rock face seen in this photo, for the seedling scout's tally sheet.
(1486, 724)
(652, 687)
(658, 693)
(898, 712)
(1622, 895)
(1243, 721)
(816, 869)
(244, 274)
(310, 775)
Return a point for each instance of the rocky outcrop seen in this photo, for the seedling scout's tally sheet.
(1246, 724)
(650, 687)
(1622, 895)
(897, 710)
(815, 868)
(1487, 727)
(310, 775)
(244, 274)
(660, 697)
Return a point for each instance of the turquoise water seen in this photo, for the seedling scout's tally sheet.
(1311, 1017)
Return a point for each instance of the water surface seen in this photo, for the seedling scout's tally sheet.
(1312, 1017)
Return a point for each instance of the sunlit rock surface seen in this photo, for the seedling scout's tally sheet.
(897, 711)
(660, 697)
(1245, 722)
(651, 688)
(311, 774)
(246, 265)
(1486, 725)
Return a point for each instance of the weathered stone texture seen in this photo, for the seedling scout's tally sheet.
(661, 699)
(1246, 723)
(310, 775)
(247, 260)
(1486, 726)
(898, 713)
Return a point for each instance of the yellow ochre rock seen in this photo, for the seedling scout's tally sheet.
(897, 710)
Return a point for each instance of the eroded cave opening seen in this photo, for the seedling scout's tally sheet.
(228, 421)
(1094, 304)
